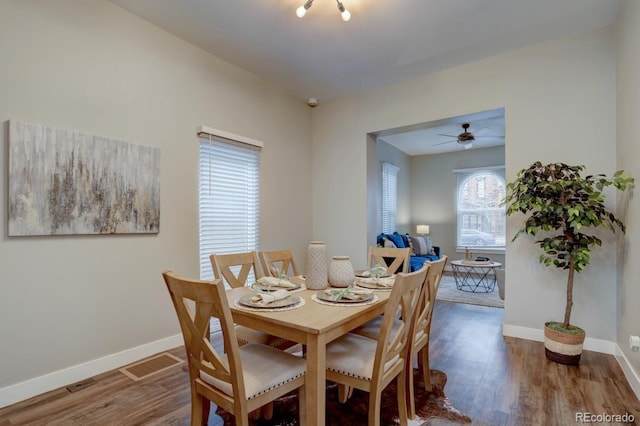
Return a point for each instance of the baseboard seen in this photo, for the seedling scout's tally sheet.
(632, 376)
(537, 335)
(38, 385)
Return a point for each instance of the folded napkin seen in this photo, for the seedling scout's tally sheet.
(276, 282)
(380, 282)
(350, 293)
(266, 298)
(377, 269)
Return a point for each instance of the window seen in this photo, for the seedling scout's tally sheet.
(229, 197)
(481, 217)
(388, 203)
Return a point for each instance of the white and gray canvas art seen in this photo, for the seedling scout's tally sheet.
(65, 182)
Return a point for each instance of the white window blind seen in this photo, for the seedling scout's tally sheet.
(229, 199)
(481, 217)
(389, 201)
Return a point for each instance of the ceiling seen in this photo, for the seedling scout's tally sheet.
(385, 42)
(429, 138)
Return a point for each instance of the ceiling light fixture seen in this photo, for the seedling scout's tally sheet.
(346, 15)
(302, 10)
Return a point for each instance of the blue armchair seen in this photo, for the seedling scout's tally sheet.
(403, 241)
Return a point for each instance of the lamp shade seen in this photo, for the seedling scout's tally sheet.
(422, 229)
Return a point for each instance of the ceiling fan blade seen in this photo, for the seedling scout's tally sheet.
(449, 136)
(480, 131)
(442, 143)
(490, 138)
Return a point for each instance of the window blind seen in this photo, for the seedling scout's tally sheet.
(389, 201)
(229, 192)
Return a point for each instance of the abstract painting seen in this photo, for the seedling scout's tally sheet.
(64, 182)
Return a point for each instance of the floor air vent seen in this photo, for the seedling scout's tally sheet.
(150, 366)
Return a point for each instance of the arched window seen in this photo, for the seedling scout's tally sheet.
(481, 217)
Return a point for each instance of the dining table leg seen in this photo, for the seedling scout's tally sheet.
(315, 388)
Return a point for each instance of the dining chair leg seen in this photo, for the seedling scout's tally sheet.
(426, 371)
(302, 407)
(344, 393)
(267, 411)
(197, 410)
(255, 414)
(375, 398)
(409, 391)
(402, 397)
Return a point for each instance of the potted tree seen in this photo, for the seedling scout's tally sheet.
(562, 204)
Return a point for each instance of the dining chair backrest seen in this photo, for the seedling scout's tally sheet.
(279, 261)
(245, 263)
(209, 302)
(427, 302)
(392, 258)
(394, 338)
(435, 275)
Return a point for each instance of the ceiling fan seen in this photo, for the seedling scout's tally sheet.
(466, 138)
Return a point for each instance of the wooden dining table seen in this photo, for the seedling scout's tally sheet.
(313, 325)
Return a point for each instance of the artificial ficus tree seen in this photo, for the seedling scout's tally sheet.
(557, 199)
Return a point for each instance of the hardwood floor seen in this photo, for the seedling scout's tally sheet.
(495, 380)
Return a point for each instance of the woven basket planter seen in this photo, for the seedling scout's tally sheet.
(564, 348)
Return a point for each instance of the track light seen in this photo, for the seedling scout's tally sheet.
(346, 15)
(302, 10)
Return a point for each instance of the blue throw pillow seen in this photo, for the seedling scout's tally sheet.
(397, 240)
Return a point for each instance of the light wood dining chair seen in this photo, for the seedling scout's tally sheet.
(392, 258)
(223, 269)
(420, 345)
(223, 265)
(279, 260)
(243, 379)
(422, 332)
(358, 362)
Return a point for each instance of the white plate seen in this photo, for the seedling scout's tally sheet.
(246, 301)
(265, 287)
(362, 271)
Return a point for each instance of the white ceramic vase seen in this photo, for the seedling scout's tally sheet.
(316, 270)
(341, 272)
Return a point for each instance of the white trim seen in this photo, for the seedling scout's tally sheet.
(393, 167)
(475, 169)
(632, 376)
(481, 249)
(50, 381)
(204, 131)
(590, 344)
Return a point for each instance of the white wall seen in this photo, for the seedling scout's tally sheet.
(628, 121)
(90, 66)
(559, 100)
(433, 193)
